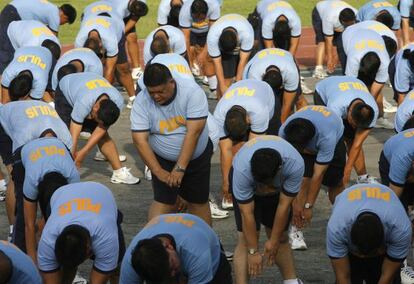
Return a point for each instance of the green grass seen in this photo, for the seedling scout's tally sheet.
(148, 23)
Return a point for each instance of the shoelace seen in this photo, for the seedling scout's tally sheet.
(409, 271)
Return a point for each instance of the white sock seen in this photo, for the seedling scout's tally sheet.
(363, 176)
(212, 82)
(319, 67)
(291, 281)
(118, 171)
(11, 229)
(136, 69)
(131, 99)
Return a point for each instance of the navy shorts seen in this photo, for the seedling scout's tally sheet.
(7, 15)
(317, 26)
(199, 39)
(122, 54)
(5, 147)
(230, 62)
(133, 30)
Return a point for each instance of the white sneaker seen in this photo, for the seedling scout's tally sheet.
(212, 95)
(130, 102)
(388, 107)
(205, 81)
(226, 204)
(85, 135)
(384, 123)
(123, 175)
(100, 157)
(367, 179)
(305, 89)
(10, 235)
(216, 212)
(3, 188)
(136, 73)
(196, 70)
(319, 73)
(296, 239)
(147, 173)
(407, 275)
(229, 255)
(79, 280)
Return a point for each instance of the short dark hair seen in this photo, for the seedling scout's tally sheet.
(235, 124)
(47, 186)
(6, 268)
(367, 233)
(347, 16)
(138, 8)
(21, 85)
(282, 34)
(69, 12)
(368, 68)
(71, 247)
(66, 70)
(273, 78)
(199, 7)
(159, 46)
(362, 114)
(156, 74)
(93, 44)
(299, 132)
(409, 55)
(150, 260)
(409, 124)
(265, 164)
(108, 112)
(386, 18)
(390, 45)
(228, 40)
(53, 47)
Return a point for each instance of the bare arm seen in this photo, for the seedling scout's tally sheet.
(294, 44)
(376, 89)
(268, 43)
(52, 277)
(342, 270)
(398, 190)
(389, 270)
(220, 74)
(244, 58)
(110, 68)
(187, 33)
(5, 98)
(30, 209)
(96, 136)
(99, 278)
(75, 130)
(288, 100)
(226, 158)
(360, 136)
(405, 28)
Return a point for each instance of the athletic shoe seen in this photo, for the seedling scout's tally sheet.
(229, 255)
(130, 102)
(305, 89)
(319, 73)
(388, 107)
(123, 175)
(79, 280)
(3, 188)
(407, 275)
(85, 135)
(136, 73)
(196, 70)
(384, 123)
(226, 204)
(216, 212)
(100, 157)
(212, 95)
(367, 179)
(10, 235)
(296, 239)
(147, 173)
(205, 81)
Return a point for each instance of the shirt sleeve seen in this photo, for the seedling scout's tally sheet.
(184, 19)
(46, 255)
(400, 165)
(326, 150)
(163, 12)
(259, 121)
(352, 66)
(111, 46)
(128, 274)
(293, 178)
(215, 11)
(54, 20)
(197, 106)
(291, 78)
(106, 251)
(7, 76)
(402, 77)
(327, 27)
(242, 187)
(336, 245)
(382, 74)
(38, 88)
(397, 19)
(247, 40)
(296, 25)
(201, 269)
(267, 27)
(80, 112)
(405, 6)
(400, 243)
(140, 120)
(212, 42)
(30, 188)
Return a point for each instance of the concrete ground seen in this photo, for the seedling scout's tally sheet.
(312, 265)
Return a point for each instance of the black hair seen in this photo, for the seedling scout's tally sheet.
(66, 70)
(228, 40)
(362, 114)
(273, 78)
(409, 55)
(386, 18)
(150, 260)
(265, 164)
(93, 44)
(368, 68)
(409, 124)
(47, 186)
(21, 85)
(69, 12)
(390, 45)
(156, 74)
(6, 268)
(138, 8)
(174, 14)
(367, 233)
(299, 131)
(282, 35)
(347, 16)
(71, 247)
(199, 7)
(236, 125)
(159, 46)
(53, 47)
(108, 112)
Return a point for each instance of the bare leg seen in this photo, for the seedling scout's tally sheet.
(158, 208)
(320, 53)
(109, 150)
(200, 210)
(334, 191)
(380, 104)
(240, 261)
(10, 198)
(133, 49)
(125, 78)
(359, 165)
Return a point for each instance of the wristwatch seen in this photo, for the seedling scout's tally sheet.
(308, 205)
(179, 169)
(252, 251)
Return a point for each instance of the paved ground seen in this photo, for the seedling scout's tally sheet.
(133, 200)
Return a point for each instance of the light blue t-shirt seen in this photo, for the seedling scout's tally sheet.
(404, 112)
(329, 11)
(244, 29)
(166, 124)
(270, 19)
(265, 7)
(213, 131)
(121, 7)
(399, 152)
(43, 156)
(375, 26)
(357, 47)
(373, 198)
(110, 31)
(39, 10)
(186, 20)
(24, 121)
(405, 7)
(176, 41)
(82, 90)
(196, 244)
(37, 60)
(282, 59)
(288, 179)
(29, 33)
(328, 131)
(24, 270)
(338, 92)
(255, 96)
(99, 7)
(164, 9)
(370, 11)
(88, 58)
(403, 77)
(87, 204)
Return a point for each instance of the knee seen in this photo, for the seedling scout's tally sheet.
(123, 69)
